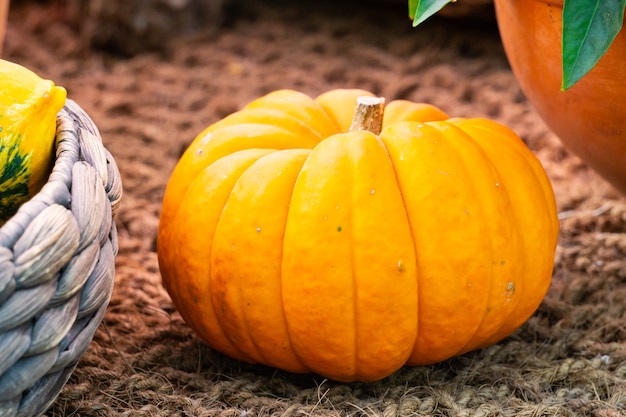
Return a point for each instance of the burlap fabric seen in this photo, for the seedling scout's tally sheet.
(569, 359)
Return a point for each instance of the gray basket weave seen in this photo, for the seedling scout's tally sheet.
(57, 266)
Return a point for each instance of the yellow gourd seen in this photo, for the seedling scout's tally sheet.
(28, 109)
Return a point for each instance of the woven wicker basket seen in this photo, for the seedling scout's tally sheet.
(57, 263)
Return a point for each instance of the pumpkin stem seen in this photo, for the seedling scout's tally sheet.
(368, 114)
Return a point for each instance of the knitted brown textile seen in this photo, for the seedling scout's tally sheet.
(569, 359)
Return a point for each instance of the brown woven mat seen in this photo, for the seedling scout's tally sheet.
(569, 359)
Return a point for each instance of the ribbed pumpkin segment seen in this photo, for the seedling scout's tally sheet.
(528, 190)
(300, 106)
(407, 111)
(505, 259)
(349, 288)
(443, 175)
(246, 260)
(271, 117)
(213, 145)
(185, 253)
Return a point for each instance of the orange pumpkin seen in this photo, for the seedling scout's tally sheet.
(287, 240)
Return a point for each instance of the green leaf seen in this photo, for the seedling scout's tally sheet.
(413, 8)
(420, 10)
(589, 27)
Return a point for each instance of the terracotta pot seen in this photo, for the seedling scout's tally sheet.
(4, 11)
(590, 117)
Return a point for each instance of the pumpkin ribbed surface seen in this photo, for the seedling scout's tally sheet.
(288, 241)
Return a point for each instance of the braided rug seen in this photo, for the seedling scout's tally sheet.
(569, 359)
